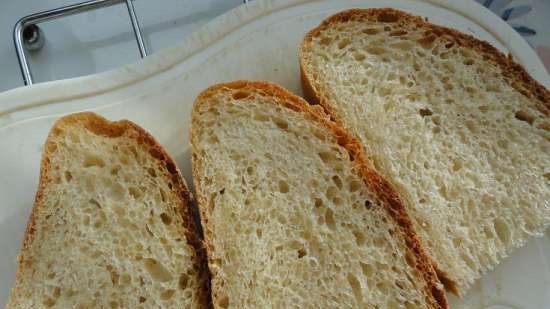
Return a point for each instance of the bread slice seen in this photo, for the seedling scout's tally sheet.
(293, 215)
(111, 225)
(461, 130)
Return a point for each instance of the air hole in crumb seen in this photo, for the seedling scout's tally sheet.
(337, 181)
(95, 203)
(51, 147)
(240, 95)
(329, 219)
(368, 270)
(371, 31)
(470, 90)
(213, 139)
(167, 294)
(115, 170)
(354, 185)
(425, 112)
(427, 41)
(48, 302)
(326, 156)
(375, 50)
(343, 43)
(162, 195)
(183, 281)
(403, 45)
(503, 232)
(525, 116)
(165, 218)
(117, 192)
(223, 302)
(113, 273)
(157, 271)
(68, 176)
(325, 41)
(359, 56)
(331, 192)
(545, 126)
(148, 230)
(93, 160)
(411, 305)
(283, 186)
(56, 292)
(468, 61)
(457, 165)
(398, 33)
(319, 202)
(135, 192)
(355, 288)
(282, 124)
(383, 287)
(368, 204)
(261, 117)
(359, 238)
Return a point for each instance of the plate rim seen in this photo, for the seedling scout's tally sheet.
(52, 92)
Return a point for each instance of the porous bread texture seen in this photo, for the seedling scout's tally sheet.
(293, 217)
(461, 130)
(110, 227)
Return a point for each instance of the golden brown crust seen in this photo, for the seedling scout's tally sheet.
(101, 126)
(512, 72)
(354, 149)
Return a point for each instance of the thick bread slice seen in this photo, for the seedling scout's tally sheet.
(293, 215)
(111, 226)
(461, 130)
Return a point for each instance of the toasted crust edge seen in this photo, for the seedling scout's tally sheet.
(111, 129)
(371, 178)
(514, 74)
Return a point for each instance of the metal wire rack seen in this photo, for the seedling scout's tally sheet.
(28, 36)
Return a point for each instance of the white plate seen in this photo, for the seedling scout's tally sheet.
(257, 41)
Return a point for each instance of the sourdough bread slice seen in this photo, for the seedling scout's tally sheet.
(111, 226)
(293, 215)
(461, 130)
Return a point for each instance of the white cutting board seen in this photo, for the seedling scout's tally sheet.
(256, 41)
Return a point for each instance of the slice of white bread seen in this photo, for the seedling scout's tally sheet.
(111, 226)
(461, 130)
(293, 216)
